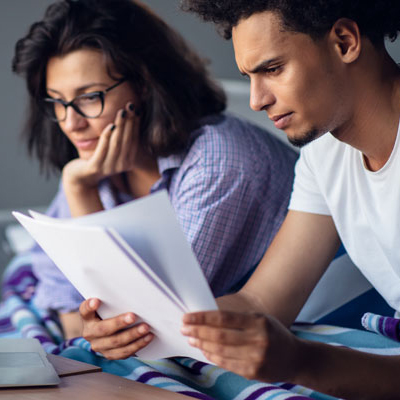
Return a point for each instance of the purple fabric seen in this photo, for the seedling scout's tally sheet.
(149, 375)
(392, 328)
(386, 326)
(230, 191)
(196, 395)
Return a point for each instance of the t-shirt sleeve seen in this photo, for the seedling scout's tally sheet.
(306, 195)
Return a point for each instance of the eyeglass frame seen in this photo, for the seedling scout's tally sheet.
(66, 104)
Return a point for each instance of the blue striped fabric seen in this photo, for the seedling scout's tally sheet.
(20, 318)
(386, 326)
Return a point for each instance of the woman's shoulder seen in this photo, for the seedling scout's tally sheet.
(229, 138)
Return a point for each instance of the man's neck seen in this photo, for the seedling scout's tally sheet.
(373, 124)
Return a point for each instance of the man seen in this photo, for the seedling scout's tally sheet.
(316, 67)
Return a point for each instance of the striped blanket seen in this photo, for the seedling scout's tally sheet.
(20, 318)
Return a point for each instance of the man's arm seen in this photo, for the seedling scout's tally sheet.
(252, 341)
(260, 347)
(293, 264)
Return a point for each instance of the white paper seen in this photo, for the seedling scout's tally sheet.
(149, 225)
(134, 258)
(100, 264)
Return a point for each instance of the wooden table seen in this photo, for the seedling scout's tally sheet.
(81, 381)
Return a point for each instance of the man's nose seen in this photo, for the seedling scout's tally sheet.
(260, 95)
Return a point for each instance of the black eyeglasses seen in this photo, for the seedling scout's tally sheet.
(89, 105)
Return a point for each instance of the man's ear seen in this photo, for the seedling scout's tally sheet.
(346, 37)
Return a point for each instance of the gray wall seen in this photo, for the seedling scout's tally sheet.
(20, 183)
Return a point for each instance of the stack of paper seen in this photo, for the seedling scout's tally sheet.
(134, 258)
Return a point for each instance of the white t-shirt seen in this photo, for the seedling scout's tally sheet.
(331, 179)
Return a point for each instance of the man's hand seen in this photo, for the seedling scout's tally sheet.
(252, 345)
(112, 337)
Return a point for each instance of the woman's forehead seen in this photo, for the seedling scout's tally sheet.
(77, 68)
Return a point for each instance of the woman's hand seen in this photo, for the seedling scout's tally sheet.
(71, 323)
(252, 345)
(112, 337)
(115, 152)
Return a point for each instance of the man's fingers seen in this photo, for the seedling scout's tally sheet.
(254, 351)
(220, 335)
(241, 367)
(228, 334)
(224, 319)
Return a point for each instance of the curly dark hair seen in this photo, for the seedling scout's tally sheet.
(140, 47)
(376, 19)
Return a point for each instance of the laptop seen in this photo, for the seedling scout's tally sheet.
(23, 362)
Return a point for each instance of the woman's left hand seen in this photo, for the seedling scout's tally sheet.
(115, 338)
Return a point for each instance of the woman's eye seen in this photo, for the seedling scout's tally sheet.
(55, 99)
(90, 98)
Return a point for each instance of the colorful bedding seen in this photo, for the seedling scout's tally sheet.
(20, 318)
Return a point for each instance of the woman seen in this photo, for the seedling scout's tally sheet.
(122, 106)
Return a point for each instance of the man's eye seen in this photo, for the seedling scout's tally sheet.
(273, 70)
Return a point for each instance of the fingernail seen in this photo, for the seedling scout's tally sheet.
(148, 337)
(129, 319)
(92, 304)
(143, 329)
(185, 330)
(112, 127)
(192, 341)
(123, 114)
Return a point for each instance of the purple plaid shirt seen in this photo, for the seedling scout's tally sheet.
(230, 191)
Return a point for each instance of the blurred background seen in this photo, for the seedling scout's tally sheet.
(21, 184)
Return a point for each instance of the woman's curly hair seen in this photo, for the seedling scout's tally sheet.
(376, 19)
(174, 83)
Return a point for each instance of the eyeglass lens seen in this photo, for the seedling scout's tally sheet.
(89, 105)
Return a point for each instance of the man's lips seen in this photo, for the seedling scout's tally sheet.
(282, 120)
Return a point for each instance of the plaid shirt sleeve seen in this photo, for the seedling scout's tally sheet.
(212, 213)
(230, 195)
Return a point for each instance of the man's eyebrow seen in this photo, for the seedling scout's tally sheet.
(263, 65)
